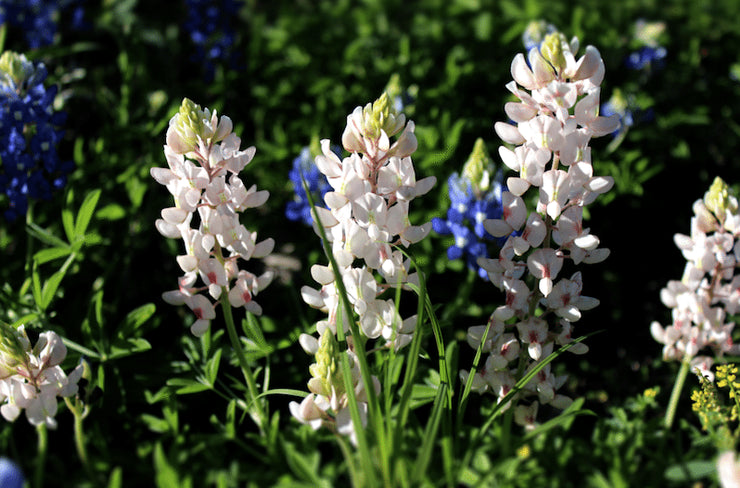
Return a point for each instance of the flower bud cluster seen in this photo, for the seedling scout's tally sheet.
(367, 214)
(202, 151)
(32, 379)
(709, 289)
(553, 122)
(475, 196)
(328, 404)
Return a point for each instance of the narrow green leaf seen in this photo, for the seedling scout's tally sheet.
(211, 368)
(45, 236)
(86, 212)
(46, 255)
(128, 347)
(430, 436)
(69, 226)
(49, 290)
(135, 319)
(186, 386)
(166, 475)
(116, 478)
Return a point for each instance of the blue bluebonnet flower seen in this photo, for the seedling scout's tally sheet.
(38, 19)
(535, 33)
(621, 105)
(474, 197)
(11, 475)
(30, 167)
(304, 166)
(651, 54)
(209, 24)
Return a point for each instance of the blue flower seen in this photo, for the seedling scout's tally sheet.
(37, 19)
(465, 218)
(209, 24)
(646, 57)
(11, 475)
(30, 167)
(304, 166)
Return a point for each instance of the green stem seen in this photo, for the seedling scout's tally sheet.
(41, 459)
(78, 410)
(676, 394)
(261, 419)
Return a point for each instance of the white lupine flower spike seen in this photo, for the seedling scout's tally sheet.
(708, 292)
(367, 216)
(553, 121)
(204, 160)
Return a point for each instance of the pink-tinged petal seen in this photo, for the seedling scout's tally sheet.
(596, 256)
(415, 233)
(535, 230)
(509, 158)
(322, 274)
(167, 229)
(589, 64)
(312, 297)
(383, 142)
(521, 73)
(508, 133)
(200, 327)
(602, 126)
(587, 242)
(519, 112)
(514, 210)
(600, 184)
(497, 228)
(263, 248)
(325, 217)
(587, 109)
(174, 215)
(517, 186)
(163, 176)
(543, 72)
(424, 185)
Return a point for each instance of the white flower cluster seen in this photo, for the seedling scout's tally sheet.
(367, 214)
(201, 152)
(709, 289)
(31, 379)
(328, 404)
(554, 120)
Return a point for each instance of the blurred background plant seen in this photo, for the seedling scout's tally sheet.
(285, 71)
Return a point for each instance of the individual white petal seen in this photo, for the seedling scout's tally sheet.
(322, 274)
(517, 186)
(424, 185)
(497, 227)
(508, 133)
(519, 112)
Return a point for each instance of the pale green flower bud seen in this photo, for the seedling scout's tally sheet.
(552, 50)
(718, 200)
(478, 167)
(380, 115)
(15, 69)
(326, 368)
(12, 348)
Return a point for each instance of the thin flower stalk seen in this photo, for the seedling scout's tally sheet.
(554, 119)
